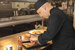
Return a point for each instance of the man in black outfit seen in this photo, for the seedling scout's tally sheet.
(60, 29)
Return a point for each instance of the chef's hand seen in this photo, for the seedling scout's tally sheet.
(27, 35)
(34, 38)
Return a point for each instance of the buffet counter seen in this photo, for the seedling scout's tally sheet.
(12, 40)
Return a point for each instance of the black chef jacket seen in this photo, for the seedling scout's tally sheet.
(60, 30)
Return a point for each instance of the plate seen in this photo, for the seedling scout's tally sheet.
(36, 32)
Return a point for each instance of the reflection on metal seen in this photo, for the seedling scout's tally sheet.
(20, 21)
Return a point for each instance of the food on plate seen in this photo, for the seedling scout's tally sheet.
(36, 31)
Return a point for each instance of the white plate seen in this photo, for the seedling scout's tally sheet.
(35, 30)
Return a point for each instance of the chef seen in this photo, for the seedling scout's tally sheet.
(60, 29)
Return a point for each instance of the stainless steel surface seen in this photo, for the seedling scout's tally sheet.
(20, 20)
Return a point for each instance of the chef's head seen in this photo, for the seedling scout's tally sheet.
(43, 8)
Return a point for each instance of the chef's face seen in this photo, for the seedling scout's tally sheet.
(42, 12)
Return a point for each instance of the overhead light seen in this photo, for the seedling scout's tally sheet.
(1, 2)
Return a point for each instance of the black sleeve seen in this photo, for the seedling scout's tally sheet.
(54, 25)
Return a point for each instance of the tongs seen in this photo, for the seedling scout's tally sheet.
(25, 41)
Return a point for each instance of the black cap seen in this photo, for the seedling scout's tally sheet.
(39, 3)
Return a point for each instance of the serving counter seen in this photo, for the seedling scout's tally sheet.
(12, 40)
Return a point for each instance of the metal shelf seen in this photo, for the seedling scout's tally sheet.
(17, 20)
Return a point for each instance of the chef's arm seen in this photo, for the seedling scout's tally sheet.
(54, 25)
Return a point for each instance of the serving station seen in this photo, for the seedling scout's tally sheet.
(20, 41)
